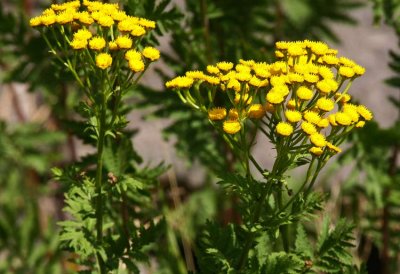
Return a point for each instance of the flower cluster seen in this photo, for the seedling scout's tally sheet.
(102, 29)
(302, 97)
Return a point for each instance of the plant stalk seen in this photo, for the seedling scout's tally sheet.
(99, 179)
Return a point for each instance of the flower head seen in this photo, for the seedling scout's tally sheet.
(103, 60)
(284, 129)
(231, 126)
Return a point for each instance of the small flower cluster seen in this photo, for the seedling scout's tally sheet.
(101, 28)
(302, 97)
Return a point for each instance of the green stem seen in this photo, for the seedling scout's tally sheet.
(99, 179)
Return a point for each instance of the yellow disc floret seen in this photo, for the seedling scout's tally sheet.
(151, 53)
(231, 126)
(284, 129)
(103, 60)
(216, 114)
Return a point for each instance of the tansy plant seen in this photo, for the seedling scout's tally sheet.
(102, 47)
(301, 104)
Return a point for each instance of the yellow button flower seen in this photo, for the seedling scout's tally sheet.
(275, 98)
(308, 128)
(284, 129)
(124, 42)
(151, 53)
(316, 151)
(325, 104)
(343, 119)
(231, 126)
(256, 111)
(97, 43)
(216, 114)
(364, 112)
(318, 139)
(304, 93)
(293, 116)
(346, 72)
(103, 60)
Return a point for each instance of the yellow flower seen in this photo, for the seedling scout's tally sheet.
(138, 31)
(231, 126)
(351, 110)
(360, 124)
(293, 116)
(35, 21)
(325, 104)
(65, 17)
(147, 23)
(311, 78)
(178, 82)
(323, 123)
(105, 21)
(124, 42)
(216, 114)
(84, 17)
(136, 65)
(279, 54)
(262, 72)
(364, 112)
(316, 151)
(324, 86)
(233, 114)
(97, 43)
(196, 74)
(212, 69)
(78, 43)
(82, 34)
(295, 78)
(133, 55)
(281, 89)
(333, 148)
(330, 59)
(278, 80)
(304, 93)
(319, 48)
(343, 119)
(151, 53)
(295, 50)
(346, 72)
(118, 15)
(48, 20)
(128, 24)
(243, 76)
(346, 62)
(284, 129)
(308, 128)
(212, 80)
(242, 68)
(275, 98)
(332, 119)
(325, 72)
(291, 104)
(256, 111)
(103, 60)
(312, 117)
(359, 70)
(112, 45)
(318, 139)
(225, 66)
(234, 84)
